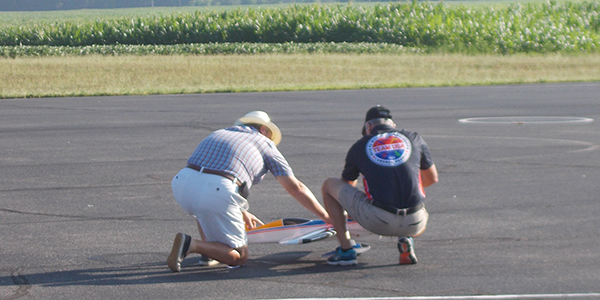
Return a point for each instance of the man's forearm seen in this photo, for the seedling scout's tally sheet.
(303, 195)
(310, 202)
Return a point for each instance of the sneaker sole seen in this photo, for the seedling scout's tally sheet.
(174, 259)
(407, 259)
(208, 263)
(343, 263)
(359, 248)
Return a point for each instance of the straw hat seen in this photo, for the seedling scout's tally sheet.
(261, 118)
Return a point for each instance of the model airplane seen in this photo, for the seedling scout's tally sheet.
(302, 231)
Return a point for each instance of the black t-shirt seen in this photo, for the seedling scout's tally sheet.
(390, 161)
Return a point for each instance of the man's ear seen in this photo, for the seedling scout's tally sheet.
(264, 130)
(368, 127)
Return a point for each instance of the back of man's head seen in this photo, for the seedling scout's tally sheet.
(378, 114)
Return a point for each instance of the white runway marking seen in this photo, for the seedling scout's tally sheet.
(519, 120)
(486, 297)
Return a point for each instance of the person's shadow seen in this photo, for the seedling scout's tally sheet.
(155, 270)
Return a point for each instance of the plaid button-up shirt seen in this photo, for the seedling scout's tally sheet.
(241, 151)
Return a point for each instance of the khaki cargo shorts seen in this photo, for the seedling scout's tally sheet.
(377, 220)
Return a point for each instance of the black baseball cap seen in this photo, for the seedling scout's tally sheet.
(376, 112)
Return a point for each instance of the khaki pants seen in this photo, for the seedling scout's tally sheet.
(377, 220)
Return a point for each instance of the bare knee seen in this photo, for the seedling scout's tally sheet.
(330, 186)
(331, 189)
(328, 183)
(242, 258)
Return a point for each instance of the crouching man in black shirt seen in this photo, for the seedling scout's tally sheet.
(396, 166)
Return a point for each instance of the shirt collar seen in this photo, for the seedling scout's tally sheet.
(381, 128)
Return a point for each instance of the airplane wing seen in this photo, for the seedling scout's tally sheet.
(291, 231)
(310, 237)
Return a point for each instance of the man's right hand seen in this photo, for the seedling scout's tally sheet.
(251, 220)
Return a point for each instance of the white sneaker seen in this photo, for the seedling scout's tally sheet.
(207, 261)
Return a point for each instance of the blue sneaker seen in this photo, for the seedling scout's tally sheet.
(407, 251)
(341, 258)
(359, 248)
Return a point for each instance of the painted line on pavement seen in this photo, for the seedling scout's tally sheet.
(496, 297)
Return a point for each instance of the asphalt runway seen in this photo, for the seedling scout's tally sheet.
(86, 210)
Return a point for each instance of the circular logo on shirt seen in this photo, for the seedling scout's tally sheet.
(389, 149)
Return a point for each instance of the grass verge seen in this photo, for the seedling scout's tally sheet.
(156, 74)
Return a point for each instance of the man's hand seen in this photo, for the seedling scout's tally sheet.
(251, 220)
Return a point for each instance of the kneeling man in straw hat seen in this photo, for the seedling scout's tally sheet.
(214, 188)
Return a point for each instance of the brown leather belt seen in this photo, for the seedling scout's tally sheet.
(215, 172)
(398, 211)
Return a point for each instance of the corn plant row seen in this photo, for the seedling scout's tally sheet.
(205, 49)
(536, 27)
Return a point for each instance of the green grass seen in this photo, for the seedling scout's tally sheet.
(540, 28)
(20, 18)
(169, 74)
(207, 49)
(30, 18)
(548, 48)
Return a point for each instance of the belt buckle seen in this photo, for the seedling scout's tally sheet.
(403, 210)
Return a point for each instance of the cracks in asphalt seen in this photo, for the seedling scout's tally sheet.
(22, 284)
(507, 161)
(86, 218)
(71, 216)
(83, 187)
(197, 125)
(159, 181)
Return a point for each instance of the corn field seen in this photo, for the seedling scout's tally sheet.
(207, 49)
(570, 27)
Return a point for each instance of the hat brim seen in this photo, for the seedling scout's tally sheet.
(275, 132)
